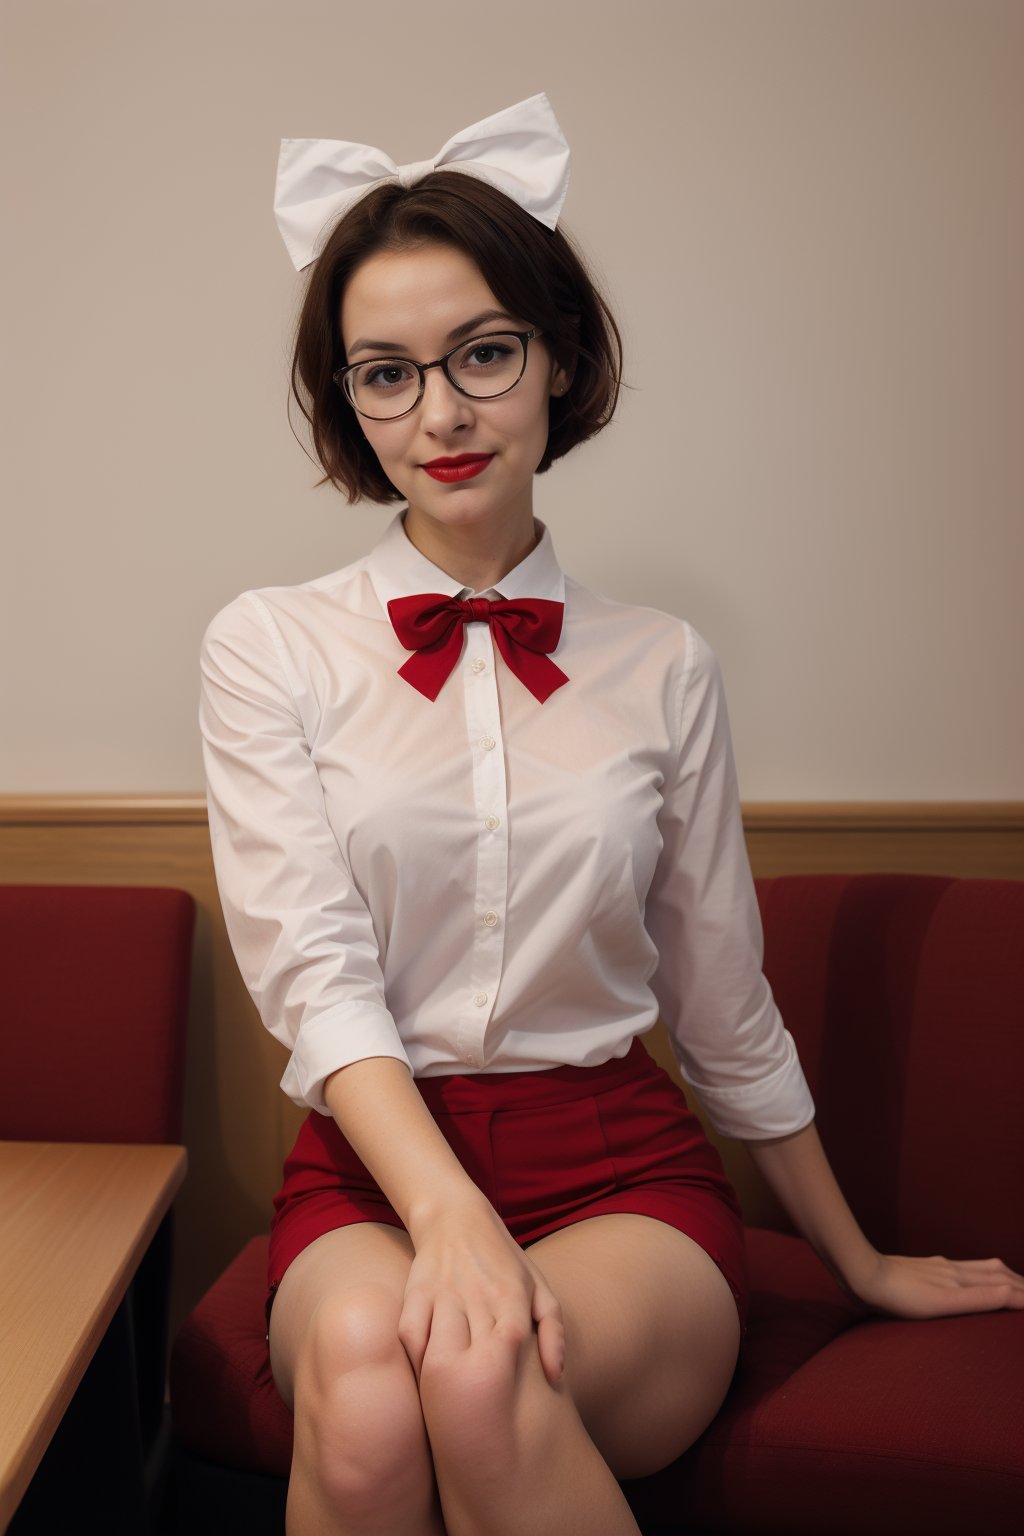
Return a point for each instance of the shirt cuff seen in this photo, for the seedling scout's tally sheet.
(777, 1105)
(337, 1038)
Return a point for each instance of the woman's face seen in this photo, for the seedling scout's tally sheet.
(416, 304)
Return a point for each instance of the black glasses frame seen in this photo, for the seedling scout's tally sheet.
(342, 375)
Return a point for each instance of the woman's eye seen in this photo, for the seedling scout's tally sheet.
(485, 354)
(385, 376)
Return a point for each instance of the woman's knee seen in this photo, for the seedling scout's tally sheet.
(349, 1329)
(472, 1399)
(359, 1428)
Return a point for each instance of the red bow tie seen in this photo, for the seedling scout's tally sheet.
(524, 629)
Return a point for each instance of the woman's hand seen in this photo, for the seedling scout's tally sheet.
(471, 1282)
(939, 1287)
(798, 1171)
(469, 1279)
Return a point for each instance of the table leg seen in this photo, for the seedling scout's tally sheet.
(91, 1476)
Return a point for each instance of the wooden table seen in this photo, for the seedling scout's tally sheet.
(75, 1221)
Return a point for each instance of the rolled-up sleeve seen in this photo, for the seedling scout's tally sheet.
(301, 933)
(702, 913)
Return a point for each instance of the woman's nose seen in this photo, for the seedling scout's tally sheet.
(443, 408)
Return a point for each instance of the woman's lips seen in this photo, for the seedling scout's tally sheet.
(463, 468)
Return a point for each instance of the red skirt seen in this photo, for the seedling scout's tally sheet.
(547, 1148)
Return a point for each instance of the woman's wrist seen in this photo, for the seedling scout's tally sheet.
(459, 1202)
(378, 1109)
(855, 1270)
(798, 1172)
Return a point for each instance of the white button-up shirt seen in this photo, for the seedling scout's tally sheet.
(484, 882)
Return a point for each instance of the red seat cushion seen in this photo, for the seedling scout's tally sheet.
(225, 1405)
(846, 1423)
(897, 1426)
(919, 1425)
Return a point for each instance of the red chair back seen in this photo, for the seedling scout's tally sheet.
(93, 1008)
(905, 995)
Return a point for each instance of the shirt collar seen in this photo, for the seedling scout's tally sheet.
(398, 569)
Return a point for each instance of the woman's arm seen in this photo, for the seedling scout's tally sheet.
(469, 1278)
(728, 1036)
(702, 914)
(798, 1172)
(302, 935)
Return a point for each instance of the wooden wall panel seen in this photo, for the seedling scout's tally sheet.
(238, 1124)
(936, 839)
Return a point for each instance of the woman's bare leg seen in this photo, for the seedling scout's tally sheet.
(361, 1465)
(511, 1456)
(652, 1337)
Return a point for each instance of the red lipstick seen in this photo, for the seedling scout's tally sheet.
(464, 467)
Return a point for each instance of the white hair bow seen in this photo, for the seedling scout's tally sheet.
(521, 151)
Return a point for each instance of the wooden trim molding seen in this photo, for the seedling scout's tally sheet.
(965, 838)
(758, 816)
(102, 810)
(980, 838)
(813, 816)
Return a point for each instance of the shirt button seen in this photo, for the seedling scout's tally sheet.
(480, 999)
(491, 823)
(491, 919)
(478, 664)
(487, 742)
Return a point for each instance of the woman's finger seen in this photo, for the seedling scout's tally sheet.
(987, 1272)
(547, 1314)
(449, 1326)
(966, 1274)
(480, 1320)
(551, 1347)
(952, 1301)
(414, 1328)
(941, 1287)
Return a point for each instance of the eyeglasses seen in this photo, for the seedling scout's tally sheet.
(483, 368)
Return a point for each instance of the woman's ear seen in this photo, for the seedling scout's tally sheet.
(561, 378)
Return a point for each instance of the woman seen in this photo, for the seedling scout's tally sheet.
(474, 828)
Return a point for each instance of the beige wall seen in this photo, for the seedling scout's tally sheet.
(810, 215)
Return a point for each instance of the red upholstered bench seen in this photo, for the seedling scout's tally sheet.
(906, 996)
(95, 988)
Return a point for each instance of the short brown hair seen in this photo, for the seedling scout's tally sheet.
(533, 271)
